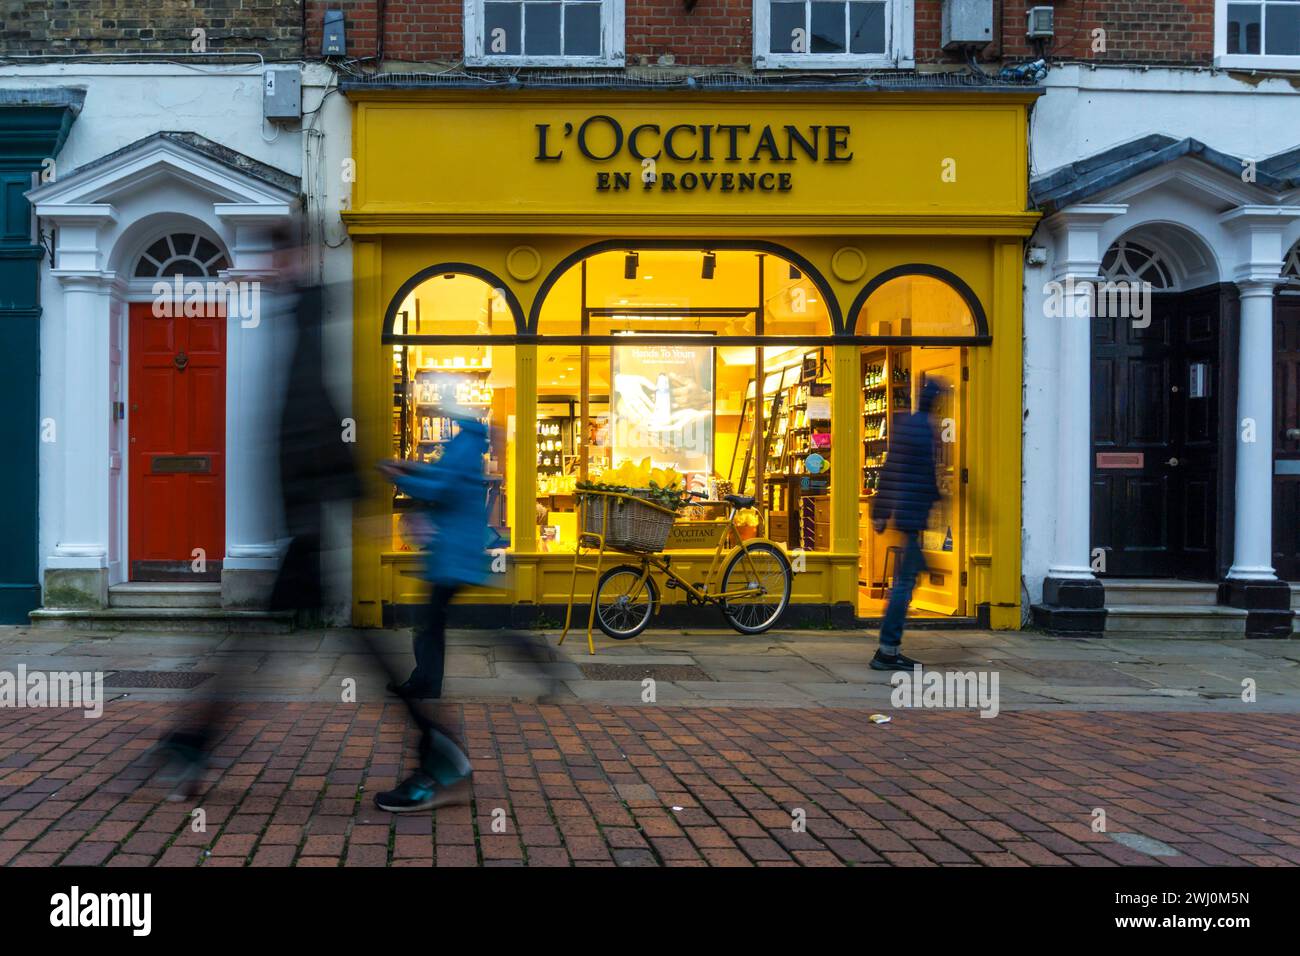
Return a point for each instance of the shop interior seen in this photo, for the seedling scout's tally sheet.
(749, 419)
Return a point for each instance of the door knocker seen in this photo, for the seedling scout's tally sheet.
(181, 360)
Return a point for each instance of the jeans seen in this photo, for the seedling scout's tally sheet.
(429, 641)
(900, 596)
(440, 757)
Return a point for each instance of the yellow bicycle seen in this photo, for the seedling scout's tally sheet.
(754, 580)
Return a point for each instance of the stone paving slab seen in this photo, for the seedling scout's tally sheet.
(816, 667)
(585, 784)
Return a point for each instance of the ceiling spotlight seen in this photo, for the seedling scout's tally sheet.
(710, 263)
(630, 262)
(795, 273)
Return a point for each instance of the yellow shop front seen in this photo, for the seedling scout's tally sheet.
(742, 287)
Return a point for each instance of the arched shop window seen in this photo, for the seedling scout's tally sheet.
(183, 254)
(440, 328)
(928, 325)
(719, 290)
(916, 305)
(710, 359)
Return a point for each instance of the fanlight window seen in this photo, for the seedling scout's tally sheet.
(1130, 262)
(181, 254)
(1291, 267)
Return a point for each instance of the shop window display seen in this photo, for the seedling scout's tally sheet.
(890, 379)
(683, 397)
(475, 378)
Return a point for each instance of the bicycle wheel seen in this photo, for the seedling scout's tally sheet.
(624, 602)
(765, 568)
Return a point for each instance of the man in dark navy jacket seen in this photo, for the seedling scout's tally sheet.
(906, 492)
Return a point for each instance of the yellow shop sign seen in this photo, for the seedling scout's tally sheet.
(601, 138)
(460, 161)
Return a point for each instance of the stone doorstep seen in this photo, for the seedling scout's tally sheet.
(179, 619)
(1215, 621)
(1165, 593)
(171, 595)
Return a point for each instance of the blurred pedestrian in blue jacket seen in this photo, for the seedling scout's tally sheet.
(904, 496)
(453, 499)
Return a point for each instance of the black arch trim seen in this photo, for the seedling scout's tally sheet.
(742, 245)
(442, 268)
(934, 272)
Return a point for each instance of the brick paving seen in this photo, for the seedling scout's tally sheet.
(658, 785)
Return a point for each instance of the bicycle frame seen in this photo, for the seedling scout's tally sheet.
(656, 560)
(704, 594)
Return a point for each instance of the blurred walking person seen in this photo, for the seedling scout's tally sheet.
(454, 505)
(906, 492)
(316, 468)
(316, 464)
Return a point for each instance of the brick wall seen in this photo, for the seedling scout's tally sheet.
(270, 27)
(1166, 32)
(715, 33)
(720, 32)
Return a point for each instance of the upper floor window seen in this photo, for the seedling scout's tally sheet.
(832, 34)
(544, 32)
(1257, 34)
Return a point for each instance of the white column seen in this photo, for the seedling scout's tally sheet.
(254, 385)
(1255, 257)
(1252, 556)
(252, 410)
(1071, 555)
(1079, 248)
(82, 424)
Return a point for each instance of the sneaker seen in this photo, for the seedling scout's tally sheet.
(898, 662)
(421, 792)
(181, 768)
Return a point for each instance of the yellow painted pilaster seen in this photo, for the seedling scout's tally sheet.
(846, 444)
(524, 526)
(371, 393)
(1005, 445)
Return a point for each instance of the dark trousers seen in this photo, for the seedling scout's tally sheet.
(900, 596)
(429, 641)
(440, 757)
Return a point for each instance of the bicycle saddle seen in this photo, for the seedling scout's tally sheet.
(740, 501)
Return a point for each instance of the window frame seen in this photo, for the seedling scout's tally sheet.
(899, 44)
(612, 19)
(1246, 61)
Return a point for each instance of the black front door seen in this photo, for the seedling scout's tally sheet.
(1155, 429)
(1286, 436)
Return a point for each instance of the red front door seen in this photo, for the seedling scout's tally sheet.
(177, 445)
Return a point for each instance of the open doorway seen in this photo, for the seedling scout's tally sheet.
(928, 310)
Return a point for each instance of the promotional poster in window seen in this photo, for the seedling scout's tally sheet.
(663, 405)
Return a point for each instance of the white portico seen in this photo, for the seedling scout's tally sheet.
(124, 225)
(1149, 439)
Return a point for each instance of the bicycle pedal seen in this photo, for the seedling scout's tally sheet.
(670, 584)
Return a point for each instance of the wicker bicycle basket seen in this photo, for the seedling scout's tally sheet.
(634, 524)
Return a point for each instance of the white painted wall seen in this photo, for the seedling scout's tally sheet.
(1086, 111)
(129, 101)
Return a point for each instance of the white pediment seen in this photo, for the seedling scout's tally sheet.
(211, 171)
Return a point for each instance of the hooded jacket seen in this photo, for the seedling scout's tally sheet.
(452, 490)
(907, 487)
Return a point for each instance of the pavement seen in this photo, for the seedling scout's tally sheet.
(744, 751)
(698, 668)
